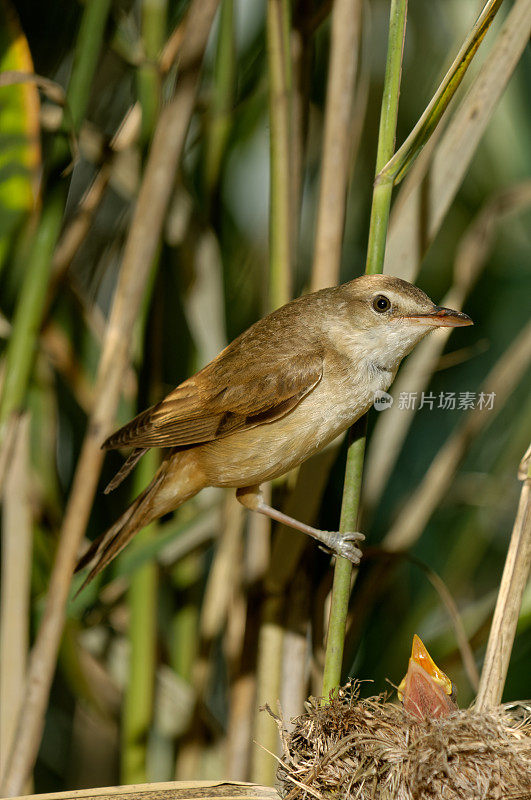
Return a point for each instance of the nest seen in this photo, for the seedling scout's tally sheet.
(352, 748)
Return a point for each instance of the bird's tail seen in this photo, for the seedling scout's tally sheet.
(175, 482)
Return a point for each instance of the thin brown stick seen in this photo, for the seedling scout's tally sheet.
(154, 195)
(335, 171)
(501, 381)
(513, 583)
(430, 188)
(16, 579)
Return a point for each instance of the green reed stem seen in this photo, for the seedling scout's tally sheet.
(381, 204)
(220, 117)
(142, 602)
(154, 14)
(279, 118)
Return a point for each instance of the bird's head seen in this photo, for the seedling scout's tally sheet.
(425, 690)
(394, 315)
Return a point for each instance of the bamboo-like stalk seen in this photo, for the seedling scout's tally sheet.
(268, 675)
(142, 602)
(513, 583)
(269, 658)
(149, 77)
(279, 143)
(165, 152)
(344, 47)
(301, 46)
(381, 198)
(142, 594)
(375, 253)
(222, 97)
(16, 578)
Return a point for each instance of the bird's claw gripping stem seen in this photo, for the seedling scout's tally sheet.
(341, 544)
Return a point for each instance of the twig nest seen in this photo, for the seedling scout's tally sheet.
(362, 749)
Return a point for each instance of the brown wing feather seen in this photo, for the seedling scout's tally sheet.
(229, 394)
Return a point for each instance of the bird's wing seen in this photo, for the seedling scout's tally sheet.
(221, 399)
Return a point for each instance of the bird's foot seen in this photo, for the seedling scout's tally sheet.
(343, 544)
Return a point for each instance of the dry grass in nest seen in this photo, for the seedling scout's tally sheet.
(370, 748)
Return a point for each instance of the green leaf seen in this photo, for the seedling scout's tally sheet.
(20, 152)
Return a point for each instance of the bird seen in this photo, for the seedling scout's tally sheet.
(426, 691)
(279, 393)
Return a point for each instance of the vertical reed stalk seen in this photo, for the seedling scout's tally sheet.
(142, 593)
(509, 602)
(222, 97)
(278, 26)
(335, 170)
(263, 768)
(149, 77)
(15, 612)
(142, 602)
(381, 203)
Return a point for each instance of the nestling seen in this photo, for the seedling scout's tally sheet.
(275, 396)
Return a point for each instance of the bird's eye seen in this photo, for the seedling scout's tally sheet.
(381, 303)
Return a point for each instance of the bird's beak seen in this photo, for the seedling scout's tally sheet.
(442, 318)
(425, 690)
(420, 656)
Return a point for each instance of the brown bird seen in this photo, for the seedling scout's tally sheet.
(275, 396)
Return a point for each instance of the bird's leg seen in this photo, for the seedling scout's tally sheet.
(342, 544)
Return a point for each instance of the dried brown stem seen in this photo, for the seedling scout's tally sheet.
(344, 45)
(513, 583)
(140, 249)
(16, 578)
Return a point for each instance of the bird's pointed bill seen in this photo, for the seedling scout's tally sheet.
(425, 691)
(442, 317)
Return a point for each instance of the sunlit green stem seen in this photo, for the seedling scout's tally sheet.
(381, 203)
(279, 117)
(343, 570)
(149, 80)
(381, 199)
(222, 97)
